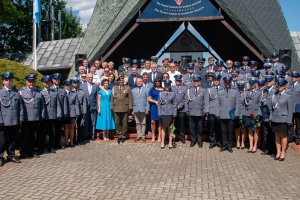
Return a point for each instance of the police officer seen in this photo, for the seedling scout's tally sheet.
(56, 81)
(219, 67)
(252, 113)
(277, 66)
(295, 88)
(166, 111)
(33, 109)
(194, 103)
(211, 111)
(209, 80)
(10, 116)
(180, 92)
(244, 69)
(71, 113)
(282, 109)
(52, 113)
(121, 105)
(79, 131)
(189, 76)
(229, 111)
(268, 144)
(239, 123)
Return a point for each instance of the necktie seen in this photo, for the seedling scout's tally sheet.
(196, 90)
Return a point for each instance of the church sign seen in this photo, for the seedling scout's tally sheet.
(179, 10)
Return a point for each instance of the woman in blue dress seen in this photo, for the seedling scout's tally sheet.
(153, 99)
(105, 120)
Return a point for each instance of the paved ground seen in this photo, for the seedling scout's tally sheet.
(143, 171)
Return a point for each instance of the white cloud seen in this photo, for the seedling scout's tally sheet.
(84, 8)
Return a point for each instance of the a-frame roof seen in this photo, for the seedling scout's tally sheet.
(260, 21)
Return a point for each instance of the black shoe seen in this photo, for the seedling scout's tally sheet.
(13, 159)
(182, 141)
(276, 158)
(51, 151)
(223, 149)
(265, 152)
(192, 144)
(57, 147)
(230, 149)
(281, 159)
(211, 146)
(1, 162)
(200, 144)
(119, 140)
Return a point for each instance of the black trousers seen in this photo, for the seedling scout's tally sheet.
(227, 127)
(196, 129)
(30, 138)
(8, 136)
(80, 130)
(57, 136)
(268, 142)
(180, 124)
(297, 122)
(214, 128)
(48, 127)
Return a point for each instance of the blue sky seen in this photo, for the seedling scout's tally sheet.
(291, 12)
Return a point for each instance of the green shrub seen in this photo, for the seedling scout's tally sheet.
(20, 71)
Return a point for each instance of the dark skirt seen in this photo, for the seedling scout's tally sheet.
(165, 120)
(70, 120)
(279, 127)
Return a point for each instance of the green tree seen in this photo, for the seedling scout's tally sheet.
(16, 24)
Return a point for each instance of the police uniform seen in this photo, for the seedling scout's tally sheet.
(52, 112)
(229, 111)
(188, 77)
(61, 96)
(33, 110)
(277, 66)
(194, 103)
(10, 116)
(180, 92)
(167, 106)
(83, 110)
(121, 105)
(295, 88)
(244, 69)
(212, 112)
(282, 109)
(268, 142)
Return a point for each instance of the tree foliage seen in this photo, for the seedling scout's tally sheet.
(16, 24)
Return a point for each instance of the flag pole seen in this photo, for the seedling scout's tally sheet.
(34, 47)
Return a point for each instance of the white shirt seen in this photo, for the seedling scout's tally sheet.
(89, 88)
(145, 70)
(171, 76)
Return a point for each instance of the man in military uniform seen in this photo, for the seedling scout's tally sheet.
(180, 92)
(121, 105)
(165, 67)
(277, 66)
(52, 113)
(10, 115)
(189, 76)
(79, 136)
(56, 81)
(295, 88)
(33, 109)
(268, 142)
(211, 111)
(229, 105)
(245, 68)
(194, 104)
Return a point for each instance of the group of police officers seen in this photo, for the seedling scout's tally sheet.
(233, 98)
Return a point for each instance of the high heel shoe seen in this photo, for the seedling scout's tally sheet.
(162, 147)
(281, 159)
(238, 147)
(276, 158)
(171, 147)
(242, 148)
